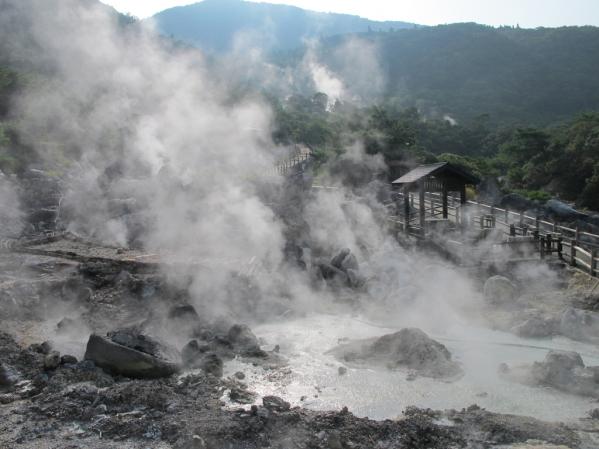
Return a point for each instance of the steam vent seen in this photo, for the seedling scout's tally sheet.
(243, 225)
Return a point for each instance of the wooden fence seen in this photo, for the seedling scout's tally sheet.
(578, 248)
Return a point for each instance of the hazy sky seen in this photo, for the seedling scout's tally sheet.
(526, 13)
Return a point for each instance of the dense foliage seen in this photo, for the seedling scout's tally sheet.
(561, 160)
(518, 101)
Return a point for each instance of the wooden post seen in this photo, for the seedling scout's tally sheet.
(542, 247)
(573, 244)
(560, 248)
(548, 242)
(577, 237)
(406, 208)
(521, 218)
(537, 223)
(593, 260)
(421, 205)
(444, 194)
(513, 230)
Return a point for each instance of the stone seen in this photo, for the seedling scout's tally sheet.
(242, 396)
(127, 361)
(239, 375)
(342, 370)
(244, 341)
(579, 324)
(52, 360)
(184, 312)
(565, 370)
(499, 290)
(212, 364)
(536, 327)
(41, 348)
(338, 259)
(8, 376)
(275, 403)
(192, 354)
(68, 360)
(409, 348)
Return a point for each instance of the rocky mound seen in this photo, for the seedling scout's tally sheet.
(563, 370)
(130, 354)
(409, 348)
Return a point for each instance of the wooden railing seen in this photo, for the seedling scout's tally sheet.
(578, 248)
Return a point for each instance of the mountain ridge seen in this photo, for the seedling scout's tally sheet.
(214, 24)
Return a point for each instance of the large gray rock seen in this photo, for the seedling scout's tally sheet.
(579, 324)
(128, 356)
(244, 341)
(499, 290)
(514, 201)
(409, 348)
(536, 327)
(8, 376)
(562, 211)
(565, 371)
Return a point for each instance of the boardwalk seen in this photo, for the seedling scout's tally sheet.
(476, 232)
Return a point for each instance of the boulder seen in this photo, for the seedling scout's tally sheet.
(579, 324)
(536, 327)
(192, 354)
(196, 356)
(514, 201)
(565, 370)
(562, 211)
(244, 341)
(345, 260)
(131, 356)
(275, 403)
(52, 360)
(212, 364)
(499, 290)
(409, 348)
(68, 360)
(8, 376)
(183, 312)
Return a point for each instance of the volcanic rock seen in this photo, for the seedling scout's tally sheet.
(212, 364)
(579, 324)
(68, 360)
(244, 341)
(52, 360)
(129, 356)
(409, 348)
(275, 403)
(563, 370)
(8, 376)
(194, 355)
(536, 327)
(345, 260)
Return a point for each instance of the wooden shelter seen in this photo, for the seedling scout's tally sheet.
(441, 177)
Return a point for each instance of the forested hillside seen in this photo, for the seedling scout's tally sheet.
(516, 76)
(538, 162)
(213, 25)
(517, 105)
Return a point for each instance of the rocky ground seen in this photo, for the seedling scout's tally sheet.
(55, 395)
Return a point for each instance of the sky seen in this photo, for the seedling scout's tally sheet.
(526, 13)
